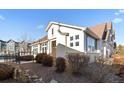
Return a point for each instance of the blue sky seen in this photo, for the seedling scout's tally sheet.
(17, 24)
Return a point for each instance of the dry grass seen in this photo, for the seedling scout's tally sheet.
(48, 73)
(118, 59)
(6, 71)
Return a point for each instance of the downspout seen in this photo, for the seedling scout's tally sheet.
(65, 34)
(49, 46)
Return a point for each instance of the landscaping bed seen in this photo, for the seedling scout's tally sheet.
(48, 73)
(77, 69)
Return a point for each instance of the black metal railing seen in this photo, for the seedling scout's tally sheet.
(16, 58)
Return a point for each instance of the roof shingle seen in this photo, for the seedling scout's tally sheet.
(42, 39)
(99, 29)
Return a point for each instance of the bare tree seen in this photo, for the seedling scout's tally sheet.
(24, 45)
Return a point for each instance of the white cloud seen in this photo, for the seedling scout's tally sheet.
(2, 18)
(117, 13)
(40, 27)
(121, 11)
(117, 20)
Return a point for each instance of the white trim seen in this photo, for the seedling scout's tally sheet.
(66, 25)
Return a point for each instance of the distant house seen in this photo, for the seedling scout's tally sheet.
(40, 46)
(2, 47)
(63, 39)
(24, 48)
(12, 47)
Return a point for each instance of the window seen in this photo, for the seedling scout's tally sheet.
(40, 47)
(77, 37)
(71, 38)
(91, 44)
(45, 49)
(76, 43)
(71, 44)
(52, 31)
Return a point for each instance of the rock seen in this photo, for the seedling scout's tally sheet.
(15, 74)
(36, 80)
(34, 77)
(40, 79)
(27, 71)
(40, 82)
(53, 81)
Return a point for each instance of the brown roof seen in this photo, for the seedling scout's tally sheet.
(99, 29)
(109, 25)
(42, 39)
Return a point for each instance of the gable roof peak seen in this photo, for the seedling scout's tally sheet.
(100, 28)
(109, 25)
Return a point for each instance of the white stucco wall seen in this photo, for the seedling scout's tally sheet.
(51, 37)
(38, 48)
(72, 32)
(61, 51)
(60, 39)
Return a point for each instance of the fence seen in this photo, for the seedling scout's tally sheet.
(7, 58)
(16, 58)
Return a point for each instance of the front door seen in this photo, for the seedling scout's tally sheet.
(54, 48)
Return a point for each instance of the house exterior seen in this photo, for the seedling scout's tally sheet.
(24, 48)
(2, 47)
(62, 39)
(12, 47)
(40, 46)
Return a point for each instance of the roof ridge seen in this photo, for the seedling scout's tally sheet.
(101, 24)
(100, 28)
(42, 39)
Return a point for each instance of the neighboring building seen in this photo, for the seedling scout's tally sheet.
(40, 46)
(63, 39)
(12, 47)
(24, 48)
(2, 47)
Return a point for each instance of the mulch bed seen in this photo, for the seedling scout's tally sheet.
(48, 73)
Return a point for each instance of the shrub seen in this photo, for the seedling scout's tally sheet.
(47, 60)
(25, 58)
(100, 69)
(86, 58)
(44, 59)
(6, 71)
(76, 61)
(60, 64)
(28, 58)
(40, 57)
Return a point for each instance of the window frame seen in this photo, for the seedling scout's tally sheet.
(71, 38)
(95, 42)
(72, 44)
(76, 37)
(52, 31)
(76, 43)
